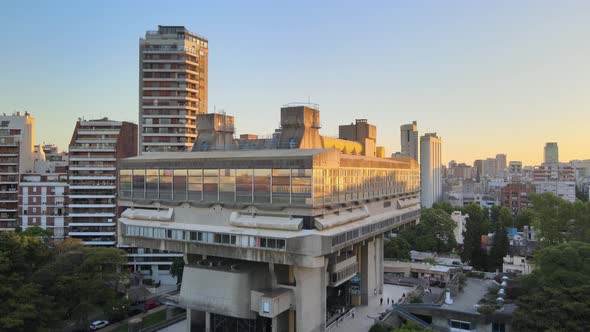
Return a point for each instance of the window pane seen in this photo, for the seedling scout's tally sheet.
(301, 186)
(244, 185)
(262, 185)
(210, 185)
(227, 185)
(166, 184)
(139, 183)
(281, 186)
(195, 184)
(152, 183)
(125, 176)
(180, 184)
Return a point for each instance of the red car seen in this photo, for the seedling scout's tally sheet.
(149, 305)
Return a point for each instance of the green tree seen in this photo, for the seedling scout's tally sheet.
(45, 287)
(495, 213)
(580, 229)
(499, 250)
(474, 228)
(556, 296)
(524, 217)
(445, 206)
(505, 218)
(177, 269)
(397, 248)
(552, 217)
(433, 233)
(22, 306)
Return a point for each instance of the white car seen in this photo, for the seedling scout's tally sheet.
(99, 324)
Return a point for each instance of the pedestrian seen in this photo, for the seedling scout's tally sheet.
(352, 313)
(381, 301)
(375, 291)
(387, 301)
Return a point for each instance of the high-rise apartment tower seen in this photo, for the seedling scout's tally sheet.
(430, 169)
(551, 153)
(173, 80)
(409, 140)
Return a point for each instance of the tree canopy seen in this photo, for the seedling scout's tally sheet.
(433, 233)
(556, 296)
(45, 287)
(397, 248)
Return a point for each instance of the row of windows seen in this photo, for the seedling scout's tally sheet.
(337, 276)
(380, 226)
(244, 241)
(278, 186)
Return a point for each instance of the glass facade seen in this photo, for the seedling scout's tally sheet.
(288, 186)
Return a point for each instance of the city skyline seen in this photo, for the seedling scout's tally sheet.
(508, 62)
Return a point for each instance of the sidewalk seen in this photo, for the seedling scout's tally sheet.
(364, 316)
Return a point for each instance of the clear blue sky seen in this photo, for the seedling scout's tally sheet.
(488, 76)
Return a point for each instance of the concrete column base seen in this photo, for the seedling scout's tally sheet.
(310, 298)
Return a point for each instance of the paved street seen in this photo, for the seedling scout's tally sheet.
(364, 315)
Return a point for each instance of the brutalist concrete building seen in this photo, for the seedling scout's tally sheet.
(285, 237)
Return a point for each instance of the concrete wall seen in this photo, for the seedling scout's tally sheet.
(310, 298)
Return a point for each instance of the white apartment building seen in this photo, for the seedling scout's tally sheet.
(95, 148)
(430, 169)
(16, 157)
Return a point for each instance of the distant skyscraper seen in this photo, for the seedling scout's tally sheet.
(500, 162)
(173, 78)
(430, 169)
(551, 153)
(409, 140)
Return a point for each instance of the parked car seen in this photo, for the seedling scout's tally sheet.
(134, 312)
(98, 324)
(149, 305)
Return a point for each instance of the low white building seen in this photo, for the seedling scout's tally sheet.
(460, 220)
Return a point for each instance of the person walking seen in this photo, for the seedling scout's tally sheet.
(387, 301)
(381, 301)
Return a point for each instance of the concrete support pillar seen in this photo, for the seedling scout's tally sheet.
(310, 298)
(379, 263)
(368, 284)
(195, 320)
(155, 274)
(208, 322)
(275, 325)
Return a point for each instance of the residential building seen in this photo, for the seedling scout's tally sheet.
(173, 80)
(43, 202)
(430, 169)
(409, 140)
(555, 178)
(95, 149)
(515, 167)
(16, 158)
(500, 162)
(489, 168)
(272, 237)
(551, 153)
(460, 220)
(516, 196)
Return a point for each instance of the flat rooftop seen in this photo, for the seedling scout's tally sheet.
(468, 299)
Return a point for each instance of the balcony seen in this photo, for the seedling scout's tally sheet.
(91, 233)
(92, 215)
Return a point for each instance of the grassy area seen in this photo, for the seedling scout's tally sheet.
(149, 320)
